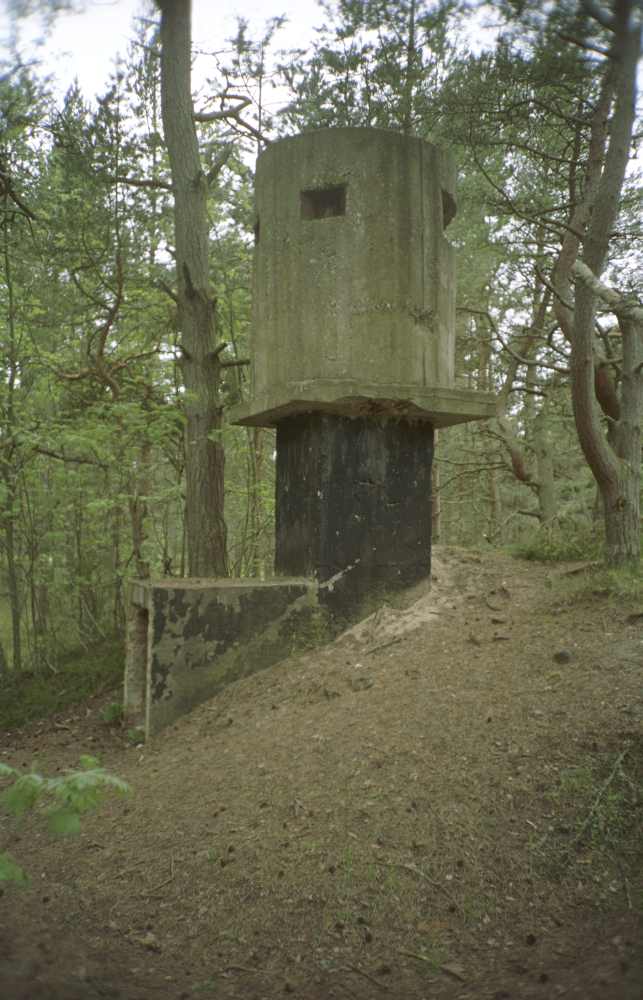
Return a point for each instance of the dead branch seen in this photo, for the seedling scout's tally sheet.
(235, 364)
(224, 113)
(76, 459)
(231, 114)
(142, 183)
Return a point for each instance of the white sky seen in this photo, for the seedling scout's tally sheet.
(86, 44)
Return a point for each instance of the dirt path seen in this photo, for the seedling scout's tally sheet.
(441, 804)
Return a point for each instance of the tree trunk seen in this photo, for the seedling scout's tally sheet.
(615, 460)
(8, 454)
(118, 609)
(139, 489)
(544, 469)
(616, 468)
(205, 525)
(494, 531)
(13, 584)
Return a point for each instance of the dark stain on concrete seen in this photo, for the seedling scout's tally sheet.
(160, 674)
(354, 492)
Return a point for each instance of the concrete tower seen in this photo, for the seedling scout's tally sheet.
(353, 349)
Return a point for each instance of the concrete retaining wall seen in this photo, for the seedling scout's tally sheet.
(189, 638)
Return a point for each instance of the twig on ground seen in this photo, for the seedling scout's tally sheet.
(414, 954)
(367, 975)
(383, 645)
(164, 883)
(626, 886)
(244, 968)
(427, 878)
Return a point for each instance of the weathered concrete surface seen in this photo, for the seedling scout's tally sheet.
(354, 282)
(354, 492)
(189, 638)
(437, 405)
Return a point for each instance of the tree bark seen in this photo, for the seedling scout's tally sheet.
(205, 525)
(544, 469)
(616, 469)
(8, 457)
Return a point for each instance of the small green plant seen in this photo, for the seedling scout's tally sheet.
(70, 796)
(561, 540)
(136, 736)
(433, 955)
(594, 812)
(618, 585)
(204, 986)
(347, 862)
(79, 674)
(112, 714)
(601, 826)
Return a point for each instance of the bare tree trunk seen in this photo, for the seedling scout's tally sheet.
(13, 583)
(8, 457)
(118, 609)
(544, 469)
(494, 531)
(205, 525)
(139, 488)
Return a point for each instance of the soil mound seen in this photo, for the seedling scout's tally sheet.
(443, 803)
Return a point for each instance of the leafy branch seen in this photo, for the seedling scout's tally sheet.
(71, 796)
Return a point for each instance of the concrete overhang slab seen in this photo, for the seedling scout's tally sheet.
(440, 406)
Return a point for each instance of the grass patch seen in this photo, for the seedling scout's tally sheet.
(595, 815)
(621, 585)
(617, 588)
(28, 696)
(562, 541)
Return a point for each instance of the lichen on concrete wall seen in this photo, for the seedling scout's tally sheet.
(205, 634)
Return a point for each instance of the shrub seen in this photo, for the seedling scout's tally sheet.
(562, 540)
(70, 795)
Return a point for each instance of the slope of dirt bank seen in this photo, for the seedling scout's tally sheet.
(443, 803)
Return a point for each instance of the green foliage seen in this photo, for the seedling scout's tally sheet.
(561, 541)
(595, 807)
(373, 64)
(623, 584)
(92, 406)
(621, 587)
(112, 714)
(29, 696)
(10, 871)
(70, 796)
